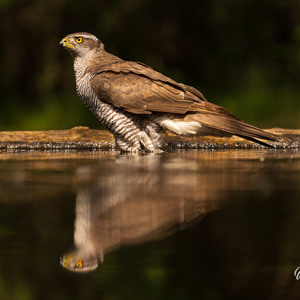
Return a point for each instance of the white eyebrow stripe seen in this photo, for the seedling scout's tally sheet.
(87, 36)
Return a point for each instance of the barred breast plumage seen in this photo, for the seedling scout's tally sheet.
(135, 102)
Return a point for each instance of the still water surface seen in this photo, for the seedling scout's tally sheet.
(184, 225)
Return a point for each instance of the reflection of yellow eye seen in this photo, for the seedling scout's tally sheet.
(79, 264)
(78, 40)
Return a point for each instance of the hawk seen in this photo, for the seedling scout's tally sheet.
(137, 103)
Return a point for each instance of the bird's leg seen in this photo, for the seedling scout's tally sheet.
(154, 132)
(147, 143)
(149, 136)
(140, 142)
(127, 146)
(132, 133)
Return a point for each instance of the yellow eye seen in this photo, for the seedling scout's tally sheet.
(79, 40)
(79, 264)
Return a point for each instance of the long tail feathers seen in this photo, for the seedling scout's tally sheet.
(233, 126)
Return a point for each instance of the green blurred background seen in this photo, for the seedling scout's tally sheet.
(242, 54)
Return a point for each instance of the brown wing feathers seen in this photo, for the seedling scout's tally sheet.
(138, 93)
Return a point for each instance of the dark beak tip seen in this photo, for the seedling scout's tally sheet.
(61, 44)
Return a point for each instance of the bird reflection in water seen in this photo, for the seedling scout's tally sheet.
(136, 200)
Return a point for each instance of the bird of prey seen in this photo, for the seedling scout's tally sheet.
(137, 103)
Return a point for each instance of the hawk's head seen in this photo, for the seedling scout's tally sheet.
(81, 44)
(78, 261)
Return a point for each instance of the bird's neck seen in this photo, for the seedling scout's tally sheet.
(80, 66)
(83, 223)
(93, 62)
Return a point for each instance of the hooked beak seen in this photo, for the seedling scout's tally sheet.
(65, 43)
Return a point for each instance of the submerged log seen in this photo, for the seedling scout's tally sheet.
(84, 138)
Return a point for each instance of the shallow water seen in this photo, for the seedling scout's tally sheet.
(183, 225)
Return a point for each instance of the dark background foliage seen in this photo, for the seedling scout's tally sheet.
(242, 54)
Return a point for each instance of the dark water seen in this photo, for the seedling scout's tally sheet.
(185, 225)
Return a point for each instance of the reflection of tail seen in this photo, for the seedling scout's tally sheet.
(192, 124)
